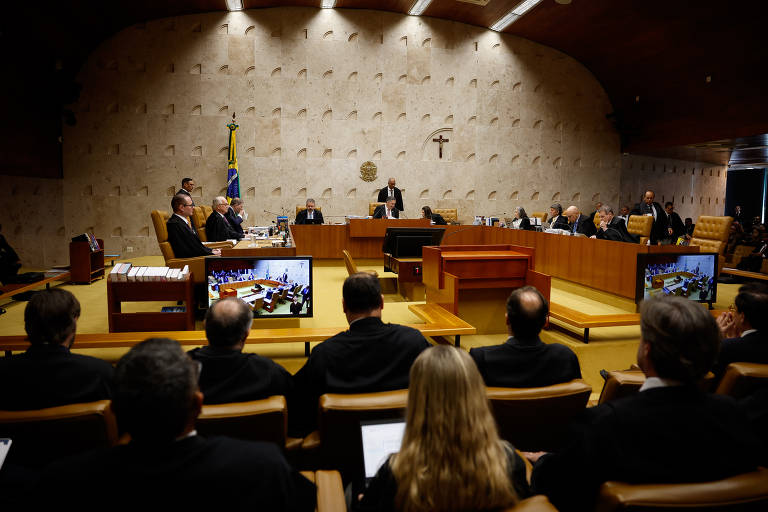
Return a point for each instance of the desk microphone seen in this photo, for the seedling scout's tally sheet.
(456, 232)
(274, 213)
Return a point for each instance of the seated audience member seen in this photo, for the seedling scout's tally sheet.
(228, 374)
(233, 214)
(166, 463)
(309, 215)
(521, 220)
(668, 432)
(217, 226)
(370, 356)
(753, 261)
(745, 330)
(556, 218)
(612, 228)
(688, 227)
(387, 211)
(451, 457)
(48, 374)
(435, 218)
(578, 223)
(524, 361)
(181, 234)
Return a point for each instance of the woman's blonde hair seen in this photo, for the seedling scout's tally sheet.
(451, 457)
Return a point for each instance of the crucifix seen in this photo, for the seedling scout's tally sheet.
(440, 141)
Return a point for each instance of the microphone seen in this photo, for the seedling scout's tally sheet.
(456, 232)
(273, 213)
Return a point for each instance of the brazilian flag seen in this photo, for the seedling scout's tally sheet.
(233, 177)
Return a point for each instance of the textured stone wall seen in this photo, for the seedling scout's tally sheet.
(696, 188)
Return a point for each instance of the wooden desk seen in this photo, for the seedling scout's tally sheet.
(409, 273)
(140, 291)
(248, 248)
(377, 228)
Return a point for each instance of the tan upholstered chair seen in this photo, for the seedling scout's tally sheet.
(351, 267)
(257, 420)
(200, 215)
(739, 252)
(535, 419)
(621, 383)
(742, 379)
(372, 207)
(196, 264)
(44, 435)
(640, 225)
(711, 235)
(450, 215)
(538, 503)
(539, 215)
(330, 493)
(300, 207)
(337, 439)
(748, 491)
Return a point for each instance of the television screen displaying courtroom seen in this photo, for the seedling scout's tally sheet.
(271, 286)
(685, 275)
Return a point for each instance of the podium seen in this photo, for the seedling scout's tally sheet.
(474, 281)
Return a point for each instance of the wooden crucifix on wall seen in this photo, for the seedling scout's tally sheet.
(440, 141)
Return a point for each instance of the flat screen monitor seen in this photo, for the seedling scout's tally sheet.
(273, 286)
(692, 276)
(407, 242)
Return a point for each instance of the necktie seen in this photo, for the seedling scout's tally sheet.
(575, 225)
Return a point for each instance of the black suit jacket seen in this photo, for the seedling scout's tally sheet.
(752, 348)
(193, 473)
(659, 228)
(438, 219)
(233, 376)
(301, 217)
(559, 222)
(398, 197)
(50, 375)
(616, 231)
(370, 356)
(218, 229)
(676, 223)
(183, 239)
(381, 212)
(661, 435)
(584, 225)
(235, 221)
(516, 364)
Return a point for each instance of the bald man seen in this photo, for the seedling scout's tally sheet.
(579, 223)
(524, 361)
(391, 191)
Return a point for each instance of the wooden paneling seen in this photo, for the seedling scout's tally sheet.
(377, 228)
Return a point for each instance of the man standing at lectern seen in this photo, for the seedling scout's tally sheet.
(387, 211)
(181, 235)
(391, 191)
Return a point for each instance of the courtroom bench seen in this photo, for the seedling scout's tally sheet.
(586, 321)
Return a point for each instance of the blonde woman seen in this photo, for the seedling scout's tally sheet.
(451, 457)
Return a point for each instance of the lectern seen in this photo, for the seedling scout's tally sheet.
(474, 281)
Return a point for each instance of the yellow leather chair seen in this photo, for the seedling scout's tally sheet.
(536, 419)
(539, 215)
(711, 235)
(450, 215)
(640, 225)
(742, 379)
(739, 252)
(352, 267)
(748, 491)
(621, 383)
(44, 435)
(300, 207)
(196, 264)
(200, 215)
(372, 207)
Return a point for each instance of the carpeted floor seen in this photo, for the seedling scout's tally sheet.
(609, 347)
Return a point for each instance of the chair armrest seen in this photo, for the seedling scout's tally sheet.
(219, 245)
(330, 492)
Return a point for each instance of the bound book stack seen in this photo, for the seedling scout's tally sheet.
(127, 272)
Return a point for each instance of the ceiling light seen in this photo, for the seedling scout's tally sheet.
(419, 7)
(514, 14)
(235, 5)
(328, 4)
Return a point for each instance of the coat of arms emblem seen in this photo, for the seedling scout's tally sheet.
(368, 171)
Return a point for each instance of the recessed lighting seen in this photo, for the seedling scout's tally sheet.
(235, 5)
(514, 14)
(419, 7)
(328, 4)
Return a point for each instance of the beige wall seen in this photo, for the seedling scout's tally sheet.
(317, 93)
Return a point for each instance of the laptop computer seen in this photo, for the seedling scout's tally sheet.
(381, 438)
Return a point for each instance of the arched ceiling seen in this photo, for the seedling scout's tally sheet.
(685, 77)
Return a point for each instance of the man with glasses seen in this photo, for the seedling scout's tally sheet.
(181, 234)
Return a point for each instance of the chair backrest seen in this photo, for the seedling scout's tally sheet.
(640, 225)
(200, 215)
(621, 383)
(539, 215)
(538, 503)
(742, 379)
(300, 207)
(450, 215)
(711, 233)
(44, 435)
(257, 420)
(349, 262)
(159, 218)
(536, 419)
(596, 220)
(748, 491)
(339, 427)
(372, 207)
